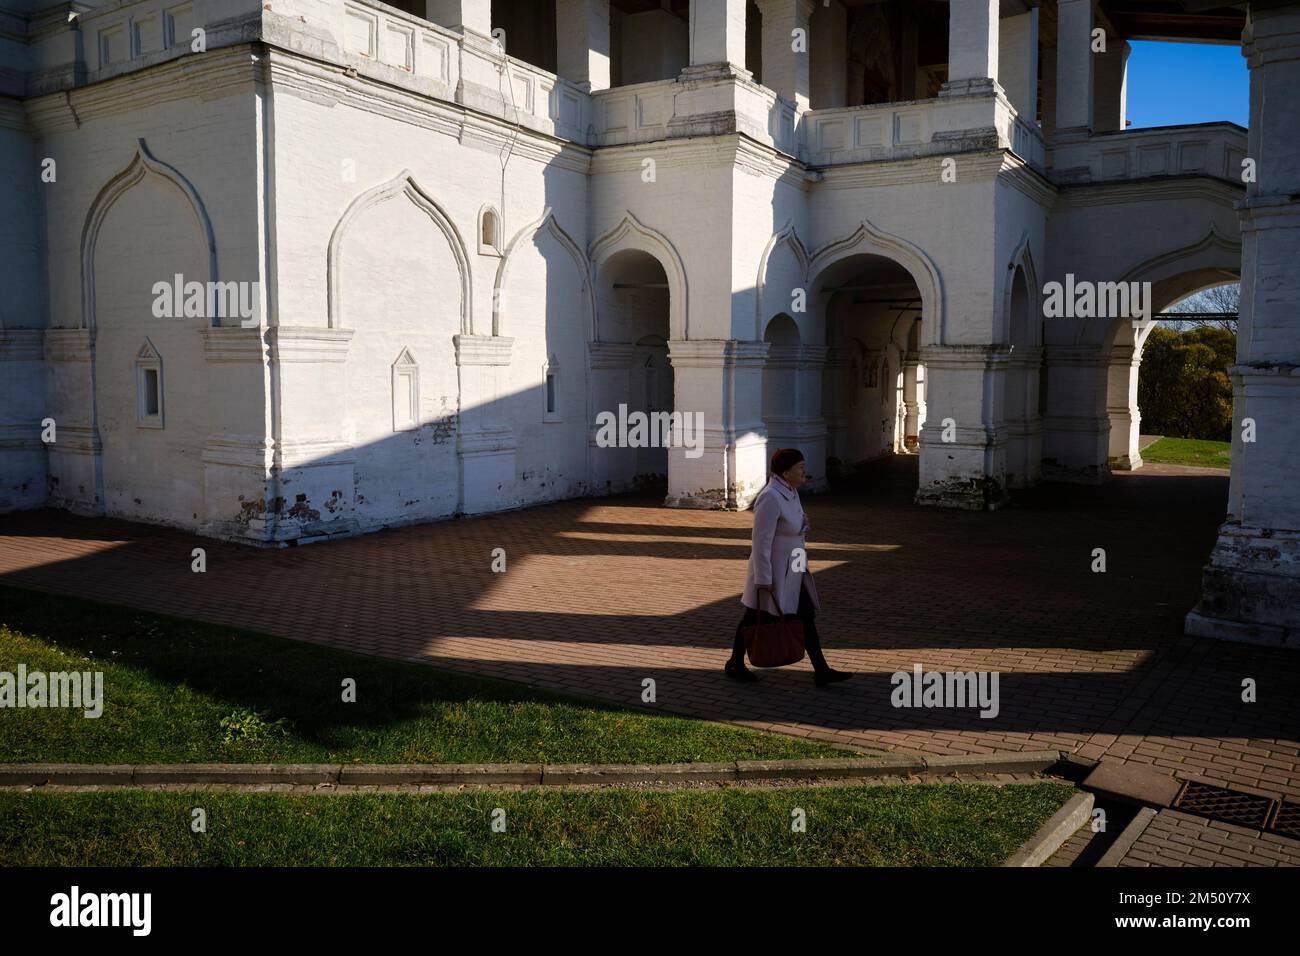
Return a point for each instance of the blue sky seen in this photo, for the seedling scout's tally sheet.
(1174, 83)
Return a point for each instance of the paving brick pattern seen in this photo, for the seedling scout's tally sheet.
(600, 594)
(1174, 838)
(1072, 849)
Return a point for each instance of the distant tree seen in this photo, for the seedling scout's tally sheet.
(1220, 298)
(1183, 385)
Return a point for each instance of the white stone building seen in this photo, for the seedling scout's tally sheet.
(465, 228)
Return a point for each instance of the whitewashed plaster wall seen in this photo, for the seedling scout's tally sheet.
(23, 473)
(154, 176)
(412, 274)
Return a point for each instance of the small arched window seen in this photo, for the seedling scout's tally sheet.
(148, 387)
(551, 391)
(489, 232)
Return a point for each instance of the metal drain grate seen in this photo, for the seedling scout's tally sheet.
(1243, 809)
(1287, 821)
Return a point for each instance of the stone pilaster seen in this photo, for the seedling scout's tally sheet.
(313, 479)
(484, 443)
(1023, 423)
(612, 469)
(1076, 434)
(1122, 408)
(238, 453)
(24, 476)
(800, 425)
(722, 379)
(1251, 587)
(963, 455)
(75, 459)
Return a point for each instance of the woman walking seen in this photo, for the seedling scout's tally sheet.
(772, 587)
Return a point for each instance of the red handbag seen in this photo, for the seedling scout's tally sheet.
(776, 643)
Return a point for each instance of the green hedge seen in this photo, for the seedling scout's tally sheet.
(1183, 386)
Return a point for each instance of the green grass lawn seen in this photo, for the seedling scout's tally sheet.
(169, 684)
(923, 825)
(1189, 451)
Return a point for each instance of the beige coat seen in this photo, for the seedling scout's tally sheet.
(780, 526)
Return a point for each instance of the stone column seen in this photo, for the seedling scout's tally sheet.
(1018, 63)
(484, 443)
(786, 49)
(1074, 68)
(972, 47)
(1110, 99)
(1122, 408)
(723, 380)
(472, 15)
(829, 48)
(1251, 588)
(582, 42)
(963, 443)
(717, 32)
(911, 403)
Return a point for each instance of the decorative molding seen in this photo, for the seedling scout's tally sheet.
(631, 234)
(402, 184)
(1022, 258)
(606, 355)
(239, 451)
(789, 236)
(22, 345)
(482, 349)
(233, 345)
(142, 164)
(1213, 239)
(872, 241)
(69, 345)
(307, 344)
(548, 222)
(717, 353)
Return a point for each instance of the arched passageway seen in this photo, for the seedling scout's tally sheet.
(630, 373)
(874, 388)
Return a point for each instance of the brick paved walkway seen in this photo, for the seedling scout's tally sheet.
(601, 594)
(1180, 839)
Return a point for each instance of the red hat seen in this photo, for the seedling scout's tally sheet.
(785, 459)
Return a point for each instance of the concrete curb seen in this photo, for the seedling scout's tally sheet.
(1052, 834)
(1127, 837)
(124, 775)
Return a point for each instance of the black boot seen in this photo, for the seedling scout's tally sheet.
(737, 670)
(829, 675)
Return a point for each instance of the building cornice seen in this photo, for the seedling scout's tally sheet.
(330, 84)
(205, 76)
(983, 166)
(1173, 188)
